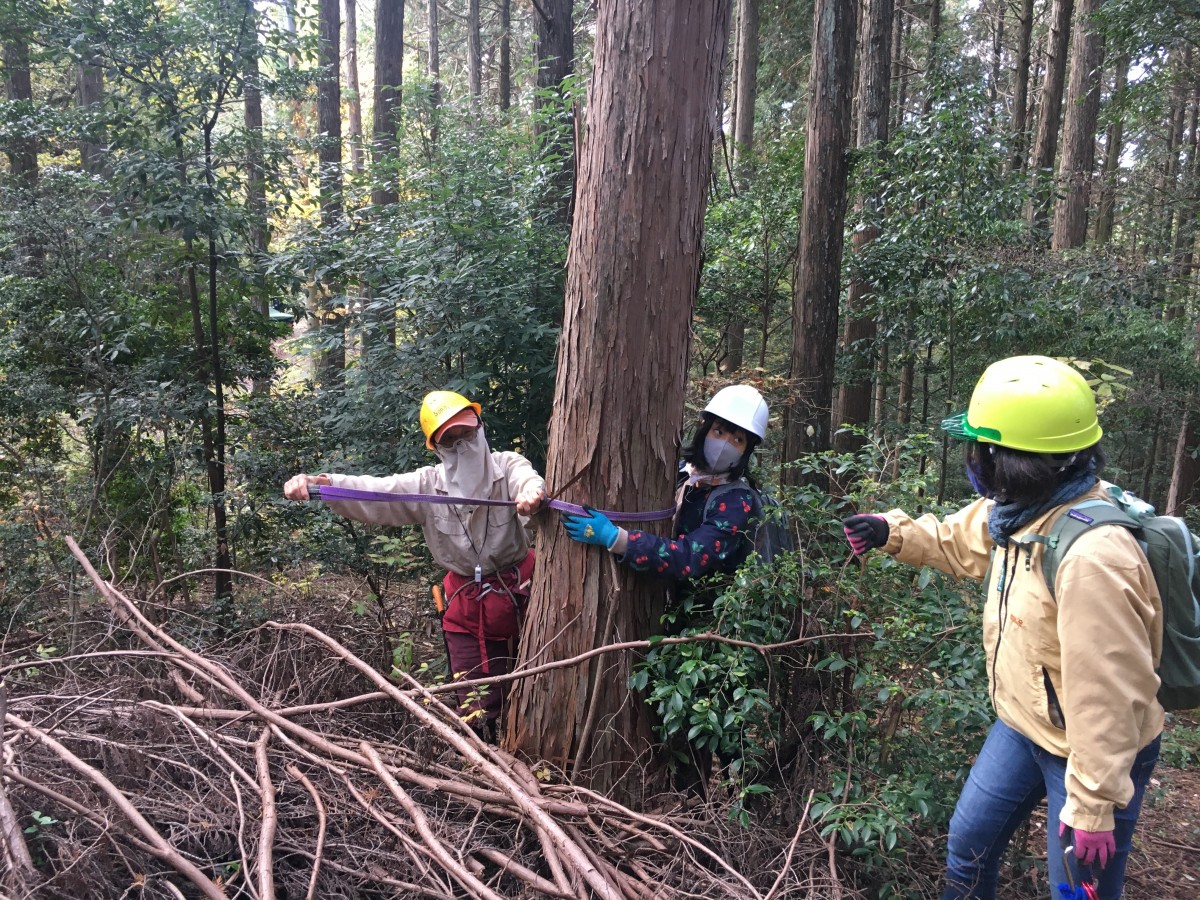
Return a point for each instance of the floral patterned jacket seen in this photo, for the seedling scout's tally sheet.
(706, 539)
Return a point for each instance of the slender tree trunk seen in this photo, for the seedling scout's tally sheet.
(933, 60)
(256, 187)
(1168, 186)
(744, 99)
(879, 413)
(329, 124)
(746, 61)
(389, 77)
(1045, 148)
(1077, 170)
(997, 58)
(556, 60)
(505, 54)
(474, 52)
(22, 151)
(901, 65)
(1184, 490)
(353, 96)
(1020, 119)
(435, 61)
(1113, 141)
(853, 404)
(622, 374)
(91, 93)
(822, 219)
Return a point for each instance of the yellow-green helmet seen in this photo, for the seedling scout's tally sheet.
(1031, 403)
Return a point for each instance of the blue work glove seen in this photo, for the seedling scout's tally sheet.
(592, 528)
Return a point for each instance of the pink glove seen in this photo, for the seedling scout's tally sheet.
(1092, 847)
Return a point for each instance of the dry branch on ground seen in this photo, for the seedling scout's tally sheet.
(298, 771)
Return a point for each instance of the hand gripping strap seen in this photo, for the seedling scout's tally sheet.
(327, 493)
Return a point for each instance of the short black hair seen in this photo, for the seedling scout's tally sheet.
(693, 452)
(1028, 478)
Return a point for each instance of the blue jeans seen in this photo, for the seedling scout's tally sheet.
(1009, 779)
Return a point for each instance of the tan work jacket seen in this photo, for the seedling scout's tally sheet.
(459, 537)
(1073, 672)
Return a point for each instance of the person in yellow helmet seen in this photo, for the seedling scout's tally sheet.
(1071, 665)
(484, 549)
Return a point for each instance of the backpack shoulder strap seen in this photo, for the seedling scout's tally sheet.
(722, 489)
(1067, 528)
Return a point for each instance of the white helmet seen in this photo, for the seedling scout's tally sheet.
(743, 406)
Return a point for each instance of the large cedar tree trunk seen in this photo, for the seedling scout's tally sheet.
(822, 218)
(874, 94)
(1050, 109)
(634, 262)
(1075, 174)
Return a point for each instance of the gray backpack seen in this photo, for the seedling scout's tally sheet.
(1172, 551)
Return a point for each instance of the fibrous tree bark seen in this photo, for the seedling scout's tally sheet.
(1075, 173)
(634, 261)
(1045, 148)
(822, 218)
(874, 93)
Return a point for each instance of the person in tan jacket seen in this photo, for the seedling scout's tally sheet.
(1071, 672)
(484, 549)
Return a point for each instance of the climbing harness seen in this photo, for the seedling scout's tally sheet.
(326, 493)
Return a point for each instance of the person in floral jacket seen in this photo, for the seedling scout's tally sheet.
(714, 504)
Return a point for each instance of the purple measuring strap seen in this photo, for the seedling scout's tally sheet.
(327, 493)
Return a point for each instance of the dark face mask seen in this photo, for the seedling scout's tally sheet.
(975, 476)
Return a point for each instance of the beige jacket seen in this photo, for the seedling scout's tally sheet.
(459, 537)
(1076, 674)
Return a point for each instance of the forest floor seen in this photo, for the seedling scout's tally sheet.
(95, 713)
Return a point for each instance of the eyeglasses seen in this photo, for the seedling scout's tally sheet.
(457, 434)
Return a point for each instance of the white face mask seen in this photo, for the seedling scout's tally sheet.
(720, 456)
(467, 466)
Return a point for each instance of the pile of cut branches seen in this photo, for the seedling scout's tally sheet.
(153, 770)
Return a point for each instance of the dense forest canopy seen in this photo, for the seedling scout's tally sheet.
(242, 240)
